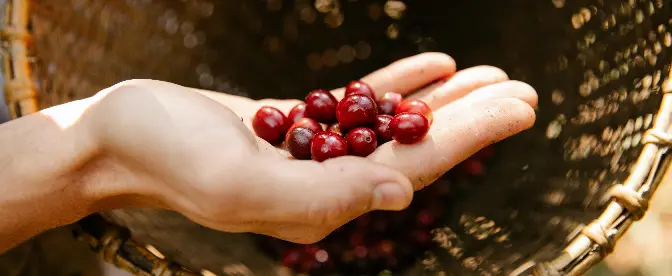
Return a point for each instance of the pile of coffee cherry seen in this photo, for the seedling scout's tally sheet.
(377, 241)
(322, 127)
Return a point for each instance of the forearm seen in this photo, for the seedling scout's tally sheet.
(40, 156)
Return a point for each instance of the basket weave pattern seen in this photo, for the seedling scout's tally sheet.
(599, 67)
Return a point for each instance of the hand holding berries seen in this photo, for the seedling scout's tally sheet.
(359, 123)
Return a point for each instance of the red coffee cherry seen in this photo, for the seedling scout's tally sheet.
(361, 141)
(382, 128)
(356, 110)
(388, 103)
(336, 128)
(307, 123)
(409, 128)
(328, 145)
(298, 112)
(270, 124)
(359, 87)
(415, 106)
(321, 106)
(298, 141)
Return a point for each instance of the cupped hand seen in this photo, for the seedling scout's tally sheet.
(473, 108)
(195, 156)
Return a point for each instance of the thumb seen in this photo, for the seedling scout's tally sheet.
(332, 192)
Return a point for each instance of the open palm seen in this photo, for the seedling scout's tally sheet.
(473, 108)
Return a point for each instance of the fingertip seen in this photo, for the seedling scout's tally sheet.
(522, 91)
(516, 114)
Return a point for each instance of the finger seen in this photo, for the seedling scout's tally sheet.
(409, 74)
(325, 194)
(506, 89)
(458, 132)
(457, 86)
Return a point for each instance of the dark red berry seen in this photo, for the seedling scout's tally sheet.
(297, 113)
(328, 145)
(426, 217)
(270, 124)
(336, 128)
(386, 247)
(307, 123)
(298, 142)
(415, 106)
(408, 128)
(291, 257)
(382, 128)
(321, 106)
(388, 103)
(359, 87)
(473, 167)
(362, 141)
(356, 110)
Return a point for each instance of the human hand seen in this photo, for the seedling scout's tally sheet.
(472, 108)
(164, 144)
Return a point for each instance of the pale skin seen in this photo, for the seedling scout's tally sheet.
(145, 143)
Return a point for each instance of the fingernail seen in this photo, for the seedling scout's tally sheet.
(389, 196)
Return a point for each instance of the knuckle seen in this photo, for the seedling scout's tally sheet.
(525, 89)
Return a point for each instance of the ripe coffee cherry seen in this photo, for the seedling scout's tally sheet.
(408, 128)
(321, 106)
(298, 142)
(473, 167)
(328, 145)
(356, 110)
(336, 128)
(382, 128)
(307, 123)
(359, 87)
(415, 106)
(362, 141)
(388, 103)
(298, 112)
(270, 124)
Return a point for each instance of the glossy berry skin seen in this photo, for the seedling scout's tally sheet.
(359, 87)
(336, 128)
(409, 128)
(415, 106)
(298, 142)
(270, 124)
(321, 106)
(307, 123)
(361, 141)
(356, 110)
(388, 103)
(298, 112)
(382, 128)
(328, 145)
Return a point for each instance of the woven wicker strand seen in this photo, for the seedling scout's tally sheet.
(20, 93)
(629, 201)
(113, 244)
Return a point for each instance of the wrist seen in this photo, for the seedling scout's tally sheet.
(105, 182)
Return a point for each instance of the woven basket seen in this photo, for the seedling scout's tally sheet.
(556, 201)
